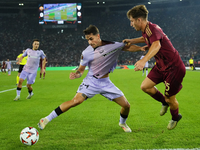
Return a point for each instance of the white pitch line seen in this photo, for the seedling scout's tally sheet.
(9, 90)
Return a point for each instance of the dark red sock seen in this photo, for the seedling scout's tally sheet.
(40, 75)
(174, 114)
(159, 97)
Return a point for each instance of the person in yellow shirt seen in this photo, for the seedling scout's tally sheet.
(22, 63)
(191, 62)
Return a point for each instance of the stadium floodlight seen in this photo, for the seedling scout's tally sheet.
(149, 2)
(21, 4)
(104, 2)
(97, 2)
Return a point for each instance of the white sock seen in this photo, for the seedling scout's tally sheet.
(122, 120)
(18, 92)
(146, 72)
(52, 115)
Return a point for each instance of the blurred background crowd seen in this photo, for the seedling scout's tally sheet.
(63, 47)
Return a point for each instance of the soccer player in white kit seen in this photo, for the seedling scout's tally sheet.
(145, 66)
(29, 71)
(101, 58)
(8, 65)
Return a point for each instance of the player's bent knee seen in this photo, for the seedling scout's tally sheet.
(143, 88)
(77, 102)
(167, 100)
(28, 85)
(127, 105)
(20, 82)
(171, 101)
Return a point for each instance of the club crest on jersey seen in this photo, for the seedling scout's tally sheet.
(101, 51)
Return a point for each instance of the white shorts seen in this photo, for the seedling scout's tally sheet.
(92, 86)
(29, 76)
(9, 68)
(146, 65)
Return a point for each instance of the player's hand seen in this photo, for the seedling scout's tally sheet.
(72, 75)
(127, 41)
(144, 48)
(127, 45)
(139, 65)
(17, 62)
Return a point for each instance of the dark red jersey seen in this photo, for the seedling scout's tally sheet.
(41, 63)
(167, 56)
(4, 65)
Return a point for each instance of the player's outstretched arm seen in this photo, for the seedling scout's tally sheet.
(135, 40)
(134, 48)
(153, 50)
(78, 72)
(144, 48)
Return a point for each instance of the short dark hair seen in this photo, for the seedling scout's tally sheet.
(138, 11)
(91, 29)
(35, 40)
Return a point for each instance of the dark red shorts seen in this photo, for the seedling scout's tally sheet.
(172, 79)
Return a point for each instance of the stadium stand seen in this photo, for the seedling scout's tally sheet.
(64, 49)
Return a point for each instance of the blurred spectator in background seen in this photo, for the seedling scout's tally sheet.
(191, 62)
(3, 68)
(64, 48)
(9, 66)
(41, 64)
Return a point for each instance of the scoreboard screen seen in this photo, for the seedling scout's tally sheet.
(60, 15)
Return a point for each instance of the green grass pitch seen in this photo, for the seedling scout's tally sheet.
(93, 125)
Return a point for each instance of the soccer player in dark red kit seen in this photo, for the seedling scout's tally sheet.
(44, 73)
(3, 68)
(169, 67)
